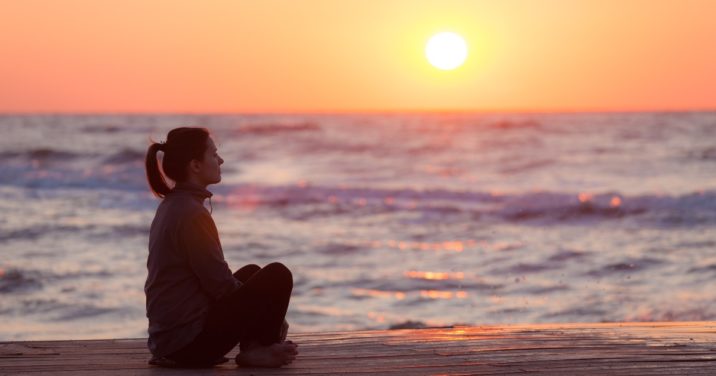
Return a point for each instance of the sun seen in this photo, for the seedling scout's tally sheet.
(446, 50)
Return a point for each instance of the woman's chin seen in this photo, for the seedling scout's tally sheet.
(214, 181)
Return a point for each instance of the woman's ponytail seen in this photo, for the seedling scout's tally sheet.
(183, 145)
(154, 176)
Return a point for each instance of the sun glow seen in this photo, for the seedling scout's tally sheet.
(446, 50)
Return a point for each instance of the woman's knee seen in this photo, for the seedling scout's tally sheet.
(280, 271)
(246, 272)
(251, 267)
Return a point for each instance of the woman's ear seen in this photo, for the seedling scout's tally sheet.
(194, 166)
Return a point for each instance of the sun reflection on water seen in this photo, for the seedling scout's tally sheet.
(434, 276)
(451, 246)
(585, 197)
(399, 295)
(378, 293)
(439, 294)
(376, 316)
(445, 246)
(615, 202)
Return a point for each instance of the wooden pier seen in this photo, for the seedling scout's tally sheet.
(667, 348)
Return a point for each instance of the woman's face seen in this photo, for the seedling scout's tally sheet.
(210, 170)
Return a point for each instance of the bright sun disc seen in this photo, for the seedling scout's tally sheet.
(446, 50)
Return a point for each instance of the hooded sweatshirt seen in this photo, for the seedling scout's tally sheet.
(186, 269)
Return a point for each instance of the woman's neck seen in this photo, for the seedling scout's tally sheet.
(194, 180)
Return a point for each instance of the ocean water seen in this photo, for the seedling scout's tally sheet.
(385, 220)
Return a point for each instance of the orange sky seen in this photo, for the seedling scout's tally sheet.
(354, 55)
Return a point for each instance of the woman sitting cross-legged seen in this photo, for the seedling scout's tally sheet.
(198, 309)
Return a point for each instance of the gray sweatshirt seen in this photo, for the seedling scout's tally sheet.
(186, 269)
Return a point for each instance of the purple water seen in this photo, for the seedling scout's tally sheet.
(385, 220)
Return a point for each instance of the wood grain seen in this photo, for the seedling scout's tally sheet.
(664, 348)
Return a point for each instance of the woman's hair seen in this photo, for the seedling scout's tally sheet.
(182, 146)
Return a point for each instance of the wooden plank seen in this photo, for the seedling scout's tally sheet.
(551, 349)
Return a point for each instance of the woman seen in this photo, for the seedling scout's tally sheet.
(198, 310)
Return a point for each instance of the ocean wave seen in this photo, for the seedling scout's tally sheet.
(466, 123)
(710, 270)
(515, 124)
(103, 128)
(14, 280)
(578, 313)
(527, 166)
(567, 255)
(36, 231)
(121, 176)
(306, 194)
(694, 208)
(705, 154)
(307, 201)
(627, 266)
(336, 249)
(88, 230)
(53, 309)
(40, 154)
(528, 268)
(81, 311)
(126, 156)
(409, 324)
(541, 208)
(557, 261)
(412, 285)
(699, 313)
(274, 128)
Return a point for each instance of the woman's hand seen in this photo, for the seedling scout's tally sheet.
(284, 330)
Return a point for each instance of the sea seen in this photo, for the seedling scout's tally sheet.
(387, 220)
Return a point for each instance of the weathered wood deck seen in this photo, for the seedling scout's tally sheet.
(671, 348)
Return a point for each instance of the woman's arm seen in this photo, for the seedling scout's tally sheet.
(199, 240)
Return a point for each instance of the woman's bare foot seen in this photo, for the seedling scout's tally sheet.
(272, 356)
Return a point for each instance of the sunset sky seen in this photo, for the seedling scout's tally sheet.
(354, 55)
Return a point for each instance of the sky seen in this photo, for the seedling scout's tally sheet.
(313, 56)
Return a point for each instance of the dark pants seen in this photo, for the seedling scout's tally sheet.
(253, 313)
